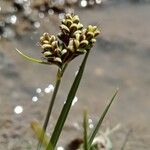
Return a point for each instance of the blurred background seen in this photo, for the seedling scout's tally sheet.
(121, 58)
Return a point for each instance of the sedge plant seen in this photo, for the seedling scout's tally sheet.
(72, 41)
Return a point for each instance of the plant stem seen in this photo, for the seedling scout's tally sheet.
(85, 126)
(51, 104)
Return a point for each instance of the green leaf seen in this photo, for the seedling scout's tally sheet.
(50, 147)
(32, 59)
(85, 125)
(98, 125)
(66, 108)
(38, 132)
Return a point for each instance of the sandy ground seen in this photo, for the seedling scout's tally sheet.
(121, 58)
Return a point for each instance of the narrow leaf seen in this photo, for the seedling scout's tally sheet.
(65, 110)
(126, 140)
(38, 132)
(85, 125)
(98, 125)
(32, 59)
(50, 147)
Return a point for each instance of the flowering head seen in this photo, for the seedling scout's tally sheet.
(72, 41)
(51, 48)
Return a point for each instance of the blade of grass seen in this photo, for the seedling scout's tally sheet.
(65, 110)
(51, 104)
(32, 59)
(38, 131)
(98, 125)
(126, 139)
(50, 146)
(85, 126)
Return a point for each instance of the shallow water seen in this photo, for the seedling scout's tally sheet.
(120, 59)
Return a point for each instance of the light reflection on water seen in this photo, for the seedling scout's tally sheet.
(60, 148)
(74, 100)
(98, 1)
(91, 126)
(49, 89)
(50, 11)
(18, 109)
(90, 121)
(41, 15)
(40, 92)
(35, 99)
(83, 3)
(22, 13)
(37, 24)
(76, 72)
(11, 19)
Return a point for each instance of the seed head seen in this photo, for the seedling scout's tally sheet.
(74, 40)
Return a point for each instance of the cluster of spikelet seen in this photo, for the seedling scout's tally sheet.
(73, 41)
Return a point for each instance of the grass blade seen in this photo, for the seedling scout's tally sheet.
(38, 131)
(85, 127)
(50, 146)
(65, 110)
(126, 140)
(98, 125)
(32, 59)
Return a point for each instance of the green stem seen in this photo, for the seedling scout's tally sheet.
(85, 125)
(57, 84)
